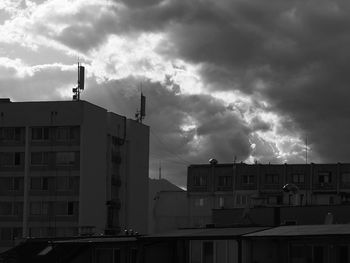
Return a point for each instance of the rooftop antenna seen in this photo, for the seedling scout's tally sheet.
(80, 87)
(140, 114)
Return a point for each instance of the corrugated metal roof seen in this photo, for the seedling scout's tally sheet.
(303, 230)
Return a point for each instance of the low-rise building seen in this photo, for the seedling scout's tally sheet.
(240, 185)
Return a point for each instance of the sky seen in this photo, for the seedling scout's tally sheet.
(234, 80)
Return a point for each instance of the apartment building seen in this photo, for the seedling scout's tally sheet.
(69, 168)
(240, 185)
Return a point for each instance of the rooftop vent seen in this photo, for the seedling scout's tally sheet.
(213, 161)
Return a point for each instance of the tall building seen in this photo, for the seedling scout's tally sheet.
(240, 185)
(68, 168)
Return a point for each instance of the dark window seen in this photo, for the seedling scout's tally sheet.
(5, 208)
(40, 133)
(208, 252)
(11, 159)
(248, 179)
(324, 177)
(271, 178)
(298, 178)
(66, 158)
(45, 183)
(70, 208)
(342, 254)
(225, 181)
(6, 233)
(10, 133)
(345, 178)
(199, 180)
(39, 158)
(35, 183)
(116, 256)
(17, 184)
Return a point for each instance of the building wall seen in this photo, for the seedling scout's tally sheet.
(170, 211)
(93, 172)
(136, 195)
(274, 216)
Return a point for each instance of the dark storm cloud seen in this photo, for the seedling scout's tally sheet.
(167, 112)
(293, 54)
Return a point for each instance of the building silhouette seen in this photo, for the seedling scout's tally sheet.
(70, 168)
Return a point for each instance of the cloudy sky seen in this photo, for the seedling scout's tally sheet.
(229, 79)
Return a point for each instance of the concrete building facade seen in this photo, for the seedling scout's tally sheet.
(240, 185)
(68, 168)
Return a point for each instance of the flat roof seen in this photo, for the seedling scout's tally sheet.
(303, 230)
(98, 240)
(208, 232)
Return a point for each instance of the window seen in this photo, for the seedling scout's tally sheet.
(39, 158)
(324, 177)
(298, 178)
(199, 202)
(62, 133)
(11, 183)
(6, 233)
(345, 177)
(45, 208)
(65, 158)
(70, 208)
(64, 208)
(248, 179)
(133, 255)
(271, 178)
(221, 202)
(10, 133)
(45, 183)
(39, 183)
(5, 208)
(17, 183)
(208, 252)
(64, 183)
(35, 208)
(18, 208)
(35, 183)
(40, 133)
(35, 232)
(241, 199)
(225, 181)
(199, 180)
(11, 159)
(116, 256)
(272, 200)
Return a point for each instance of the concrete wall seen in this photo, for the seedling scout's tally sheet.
(170, 211)
(92, 209)
(137, 176)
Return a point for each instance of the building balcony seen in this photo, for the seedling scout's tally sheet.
(198, 188)
(224, 188)
(324, 187)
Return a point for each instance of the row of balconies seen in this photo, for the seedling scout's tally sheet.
(40, 136)
(40, 161)
(207, 186)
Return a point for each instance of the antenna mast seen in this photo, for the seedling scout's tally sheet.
(80, 87)
(140, 114)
